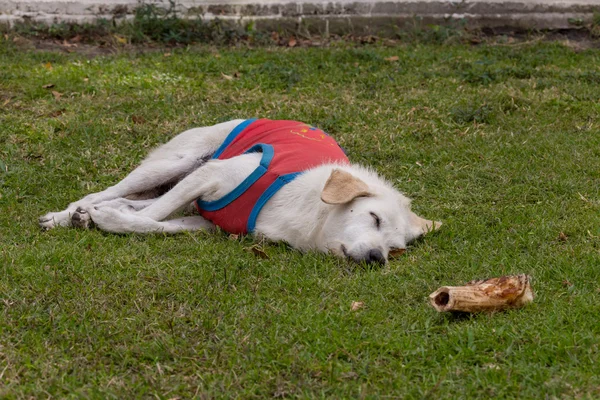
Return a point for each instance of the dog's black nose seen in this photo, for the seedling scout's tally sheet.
(375, 256)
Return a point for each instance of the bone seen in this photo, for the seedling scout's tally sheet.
(493, 294)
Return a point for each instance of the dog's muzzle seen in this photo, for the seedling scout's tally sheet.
(373, 256)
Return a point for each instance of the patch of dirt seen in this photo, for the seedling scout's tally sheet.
(577, 40)
(89, 49)
(581, 45)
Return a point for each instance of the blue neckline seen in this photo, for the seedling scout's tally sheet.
(273, 188)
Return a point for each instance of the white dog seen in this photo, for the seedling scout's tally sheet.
(282, 180)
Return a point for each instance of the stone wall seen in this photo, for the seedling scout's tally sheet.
(336, 16)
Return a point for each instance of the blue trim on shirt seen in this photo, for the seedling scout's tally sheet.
(232, 135)
(280, 182)
(267, 156)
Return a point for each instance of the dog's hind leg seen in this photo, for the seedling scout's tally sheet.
(146, 177)
(116, 221)
(168, 163)
(210, 182)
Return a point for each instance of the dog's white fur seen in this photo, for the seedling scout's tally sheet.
(296, 214)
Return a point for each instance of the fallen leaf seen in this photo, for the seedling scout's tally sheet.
(566, 283)
(228, 77)
(397, 252)
(56, 94)
(137, 119)
(349, 375)
(392, 58)
(48, 66)
(48, 86)
(67, 44)
(419, 164)
(562, 237)
(357, 305)
(56, 113)
(233, 236)
(120, 39)
(275, 36)
(368, 39)
(167, 55)
(236, 74)
(86, 79)
(257, 251)
(6, 102)
(292, 42)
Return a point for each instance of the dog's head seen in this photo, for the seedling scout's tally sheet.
(368, 221)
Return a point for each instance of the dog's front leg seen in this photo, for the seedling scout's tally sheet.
(210, 182)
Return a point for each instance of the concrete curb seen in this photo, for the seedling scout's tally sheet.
(322, 16)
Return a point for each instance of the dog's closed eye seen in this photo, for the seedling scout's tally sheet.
(377, 219)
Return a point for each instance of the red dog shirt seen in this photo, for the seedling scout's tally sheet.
(288, 148)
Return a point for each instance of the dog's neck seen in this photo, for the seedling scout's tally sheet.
(296, 213)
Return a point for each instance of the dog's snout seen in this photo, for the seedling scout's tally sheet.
(375, 256)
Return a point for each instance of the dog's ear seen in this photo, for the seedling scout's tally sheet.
(343, 187)
(422, 226)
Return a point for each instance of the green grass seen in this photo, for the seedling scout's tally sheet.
(500, 142)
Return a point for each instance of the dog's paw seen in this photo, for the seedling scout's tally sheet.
(110, 219)
(46, 221)
(54, 219)
(81, 219)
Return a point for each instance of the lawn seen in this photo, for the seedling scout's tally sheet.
(500, 141)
